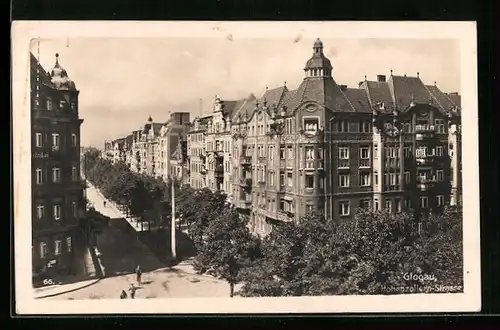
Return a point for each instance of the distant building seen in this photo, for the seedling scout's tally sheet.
(388, 144)
(57, 188)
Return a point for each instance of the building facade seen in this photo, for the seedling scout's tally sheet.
(388, 144)
(57, 188)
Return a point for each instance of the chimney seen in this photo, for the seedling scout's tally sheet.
(343, 87)
(381, 78)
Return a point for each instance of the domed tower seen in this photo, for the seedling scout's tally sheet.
(318, 65)
(59, 77)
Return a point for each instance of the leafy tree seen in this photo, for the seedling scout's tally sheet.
(198, 208)
(228, 248)
(368, 255)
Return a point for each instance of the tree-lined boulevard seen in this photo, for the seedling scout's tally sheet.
(373, 254)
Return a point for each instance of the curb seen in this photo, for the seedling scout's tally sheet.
(68, 291)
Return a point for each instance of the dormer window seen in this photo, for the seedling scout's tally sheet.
(311, 125)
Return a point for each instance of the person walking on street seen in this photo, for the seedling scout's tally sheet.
(138, 273)
(132, 290)
(123, 295)
(104, 203)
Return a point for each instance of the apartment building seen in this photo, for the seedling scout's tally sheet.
(330, 149)
(57, 189)
(172, 137)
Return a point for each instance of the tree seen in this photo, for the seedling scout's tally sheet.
(369, 255)
(228, 248)
(198, 208)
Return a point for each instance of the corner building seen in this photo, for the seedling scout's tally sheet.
(57, 189)
(390, 144)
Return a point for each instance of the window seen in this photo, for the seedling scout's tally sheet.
(376, 205)
(365, 203)
(68, 244)
(388, 206)
(364, 179)
(375, 176)
(309, 208)
(309, 181)
(397, 201)
(375, 151)
(407, 152)
(40, 212)
(342, 126)
(49, 104)
(43, 250)
(344, 208)
(282, 153)
(424, 202)
(364, 153)
(309, 153)
(73, 140)
(290, 152)
(407, 177)
(57, 247)
(56, 175)
(439, 125)
(392, 179)
(440, 200)
(343, 180)
(421, 152)
(55, 141)
(311, 125)
(440, 175)
(74, 173)
(38, 140)
(39, 176)
(439, 151)
(57, 212)
(364, 126)
(282, 178)
(407, 203)
(74, 209)
(344, 152)
(289, 179)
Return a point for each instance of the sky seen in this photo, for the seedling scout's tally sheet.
(124, 80)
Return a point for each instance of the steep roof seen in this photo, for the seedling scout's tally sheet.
(359, 99)
(45, 78)
(322, 90)
(379, 92)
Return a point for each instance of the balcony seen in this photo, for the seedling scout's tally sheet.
(344, 163)
(245, 160)
(277, 215)
(365, 162)
(246, 182)
(261, 159)
(219, 170)
(392, 163)
(424, 132)
(313, 164)
(244, 203)
(424, 184)
(425, 160)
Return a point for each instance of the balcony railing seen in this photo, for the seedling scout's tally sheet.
(425, 159)
(261, 159)
(246, 160)
(364, 162)
(343, 163)
(277, 215)
(425, 184)
(425, 129)
(312, 164)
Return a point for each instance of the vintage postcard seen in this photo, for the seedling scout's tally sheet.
(245, 167)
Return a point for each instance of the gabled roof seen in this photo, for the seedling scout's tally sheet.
(377, 93)
(156, 128)
(359, 99)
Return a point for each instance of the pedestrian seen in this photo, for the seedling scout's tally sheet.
(132, 290)
(104, 203)
(123, 295)
(138, 273)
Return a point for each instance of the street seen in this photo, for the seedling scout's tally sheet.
(120, 252)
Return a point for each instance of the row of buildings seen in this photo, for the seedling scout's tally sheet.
(58, 199)
(392, 143)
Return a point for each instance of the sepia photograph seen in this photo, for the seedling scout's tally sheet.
(259, 167)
